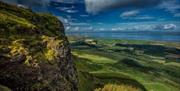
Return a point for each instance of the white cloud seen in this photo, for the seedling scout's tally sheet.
(144, 17)
(81, 28)
(79, 24)
(101, 29)
(146, 26)
(68, 9)
(169, 27)
(68, 28)
(114, 29)
(129, 14)
(64, 20)
(95, 6)
(134, 26)
(170, 6)
(64, 8)
(20, 5)
(134, 15)
(71, 11)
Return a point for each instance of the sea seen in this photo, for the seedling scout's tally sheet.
(173, 36)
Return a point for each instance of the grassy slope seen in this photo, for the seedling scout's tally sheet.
(122, 61)
(23, 31)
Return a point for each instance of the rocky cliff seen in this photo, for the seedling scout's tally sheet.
(34, 52)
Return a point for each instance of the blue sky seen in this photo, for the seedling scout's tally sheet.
(115, 15)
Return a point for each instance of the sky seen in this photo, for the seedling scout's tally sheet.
(111, 15)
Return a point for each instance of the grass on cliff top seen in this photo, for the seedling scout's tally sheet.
(21, 21)
(10, 18)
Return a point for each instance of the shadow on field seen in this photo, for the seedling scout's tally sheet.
(101, 79)
(155, 50)
(133, 64)
(89, 81)
(81, 45)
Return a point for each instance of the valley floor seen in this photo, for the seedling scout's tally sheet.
(145, 65)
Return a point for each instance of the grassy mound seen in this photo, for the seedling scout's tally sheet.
(112, 87)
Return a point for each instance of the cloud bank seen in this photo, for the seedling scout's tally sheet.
(95, 6)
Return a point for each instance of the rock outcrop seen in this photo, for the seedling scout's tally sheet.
(34, 52)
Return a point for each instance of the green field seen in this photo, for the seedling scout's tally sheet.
(147, 65)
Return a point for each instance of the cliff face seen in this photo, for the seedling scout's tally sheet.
(34, 52)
